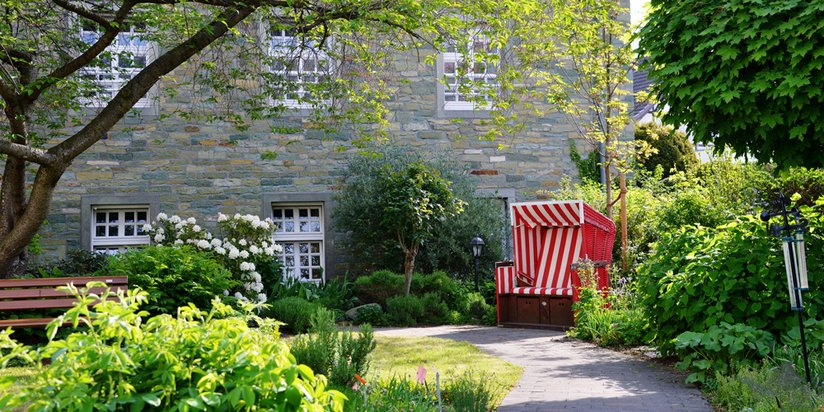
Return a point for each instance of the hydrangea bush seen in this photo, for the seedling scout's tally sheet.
(246, 246)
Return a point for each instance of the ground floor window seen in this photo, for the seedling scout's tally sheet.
(115, 229)
(300, 230)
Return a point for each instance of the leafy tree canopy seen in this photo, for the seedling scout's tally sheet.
(741, 73)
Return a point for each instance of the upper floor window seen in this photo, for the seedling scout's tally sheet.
(301, 69)
(128, 54)
(467, 76)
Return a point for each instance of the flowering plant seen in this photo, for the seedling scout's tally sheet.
(246, 247)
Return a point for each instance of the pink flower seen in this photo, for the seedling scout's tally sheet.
(421, 375)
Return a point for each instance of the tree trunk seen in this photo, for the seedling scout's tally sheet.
(624, 262)
(409, 266)
(28, 221)
(608, 186)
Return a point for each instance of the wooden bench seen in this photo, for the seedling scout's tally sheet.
(34, 294)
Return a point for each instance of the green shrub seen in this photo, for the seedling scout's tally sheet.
(404, 310)
(674, 150)
(78, 262)
(721, 349)
(435, 310)
(195, 361)
(448, 289)
(338, 355)
(611, 320)
(371, 314)
(764, 388)
(469, 393)
(378, 286)
(809, 183)
(173, 276)
(295, 312)
(698, 277)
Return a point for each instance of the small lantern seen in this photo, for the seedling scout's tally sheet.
(801, 258)
(477, 246)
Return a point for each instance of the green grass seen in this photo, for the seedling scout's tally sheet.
(401, 356)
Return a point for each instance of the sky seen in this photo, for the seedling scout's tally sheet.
(637, 10)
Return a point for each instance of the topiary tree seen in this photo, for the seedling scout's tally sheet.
(403, 207)
(742, 74)
(449, 250)
(672, 148)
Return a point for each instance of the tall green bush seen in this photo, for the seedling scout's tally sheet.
(172, 276)
(294, 311)
(673, 149)
(195, 361)
(699, 277)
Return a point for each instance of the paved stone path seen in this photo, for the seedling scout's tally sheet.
(565, 374)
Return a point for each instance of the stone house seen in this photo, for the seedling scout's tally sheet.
(146, 165)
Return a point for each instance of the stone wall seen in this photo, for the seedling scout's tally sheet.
(202, 169)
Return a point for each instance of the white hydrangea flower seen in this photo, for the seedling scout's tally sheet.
(204, 244)
(174, 219)
(159, 237)
(196, 228)
(147, 227)
(247, 266)
(233, 254)
(191, 221)
(265, 244)
(256, 276)
(248, 286)
(254, 250)
(178, 242)
(237, 216)
(270, 251)
(161, 216)
(222, 218)
(278, 248)
(216, 242)
(208, 236)
(161, 230)
(264, 225)
(225, 293)
(239, 296)
(220, 251)
(228, 245)
(242, 242)
(179, 225)
(261, 297)
(244, 254)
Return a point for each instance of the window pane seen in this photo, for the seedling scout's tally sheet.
(129, 217)
(303, 212)
(277, 213)
(100, 231)
(114, 217)
(315, 260)
(288, 213)
(315, 212)
(289, 226)
(100, 217)
(304, 248)
(304, 273)
(129, 230)
(112, 230)
(304, 227)
(289, 248)
(141, 217)
(315, 248)
(304, 261)
(289, 261)
(314, 226)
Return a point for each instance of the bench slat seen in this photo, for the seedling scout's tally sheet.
(54, 282)
(37, 304)
(21, 294)
(24, 323)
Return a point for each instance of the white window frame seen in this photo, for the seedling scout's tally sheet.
(317, 273)
(112, 78)
(451, 93)
(120, 242)
(283, 45)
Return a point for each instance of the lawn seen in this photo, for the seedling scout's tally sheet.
(396, 356)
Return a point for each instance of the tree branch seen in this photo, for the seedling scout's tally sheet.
(83, 12)
(138, 86)
(27, 153)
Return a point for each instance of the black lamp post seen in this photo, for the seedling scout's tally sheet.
(795, 261)
(477, 247)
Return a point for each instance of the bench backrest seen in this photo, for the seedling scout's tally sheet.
(24, 294)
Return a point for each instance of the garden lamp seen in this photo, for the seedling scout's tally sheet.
(477, 247)
(795, 261)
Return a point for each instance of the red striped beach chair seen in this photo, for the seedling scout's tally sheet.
(549, 239)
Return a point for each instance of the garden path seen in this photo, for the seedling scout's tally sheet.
(566, 374)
